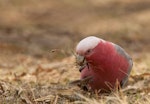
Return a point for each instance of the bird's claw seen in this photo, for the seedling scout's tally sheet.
(83, 83)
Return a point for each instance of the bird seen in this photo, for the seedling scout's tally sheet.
(104, 62)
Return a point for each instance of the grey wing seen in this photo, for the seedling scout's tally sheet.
(122, 52)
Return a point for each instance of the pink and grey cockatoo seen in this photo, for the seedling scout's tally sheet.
(103, 61)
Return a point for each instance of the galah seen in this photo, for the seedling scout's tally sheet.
(105, 62)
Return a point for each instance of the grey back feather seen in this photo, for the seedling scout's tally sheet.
(122, 52)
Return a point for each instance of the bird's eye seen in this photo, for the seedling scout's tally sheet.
(88, 51)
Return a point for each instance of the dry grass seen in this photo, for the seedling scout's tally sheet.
(39, 81)
(32, 72)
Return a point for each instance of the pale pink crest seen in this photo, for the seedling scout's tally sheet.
(88, 43)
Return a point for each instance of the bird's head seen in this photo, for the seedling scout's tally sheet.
(86, 48)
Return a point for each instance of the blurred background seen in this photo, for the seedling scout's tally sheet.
(38, 38)
(35, 27)
(51, 29)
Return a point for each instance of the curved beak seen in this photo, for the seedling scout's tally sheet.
(81, 62)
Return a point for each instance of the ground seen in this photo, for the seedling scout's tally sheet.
(37, 46)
